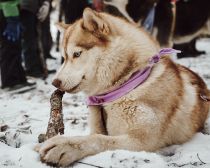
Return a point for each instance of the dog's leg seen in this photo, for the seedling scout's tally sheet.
(63, 151)
(188, 49)
(97, 120)
(164, 21)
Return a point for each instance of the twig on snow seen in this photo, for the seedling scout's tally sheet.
(89, 164)
(200, 159)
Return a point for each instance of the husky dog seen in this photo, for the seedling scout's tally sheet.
(192, 19)
(101, 53)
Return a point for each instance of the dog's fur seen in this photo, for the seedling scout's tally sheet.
(192, 20)
(166, 109)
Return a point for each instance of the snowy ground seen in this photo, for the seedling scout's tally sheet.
(27, 116)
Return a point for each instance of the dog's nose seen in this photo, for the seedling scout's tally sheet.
(56, 83)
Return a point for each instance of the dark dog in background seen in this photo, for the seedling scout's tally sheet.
(192, 20)
(71, 10)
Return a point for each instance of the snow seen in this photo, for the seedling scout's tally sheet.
(27, 116)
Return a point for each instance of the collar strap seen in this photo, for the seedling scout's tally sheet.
(135, 80)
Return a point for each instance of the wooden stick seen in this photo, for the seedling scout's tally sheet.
(55, 124)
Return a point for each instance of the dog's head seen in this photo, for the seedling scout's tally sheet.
(100, 51)
(83, 43)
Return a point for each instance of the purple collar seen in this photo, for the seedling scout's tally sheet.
(135, 80)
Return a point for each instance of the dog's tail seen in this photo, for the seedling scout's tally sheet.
(208, 95)
(205, 96)
(208, 99)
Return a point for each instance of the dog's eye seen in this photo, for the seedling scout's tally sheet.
(77, 54)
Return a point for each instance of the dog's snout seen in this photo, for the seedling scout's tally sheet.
(56, 83)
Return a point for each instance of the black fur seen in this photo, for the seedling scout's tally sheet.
(191, 16)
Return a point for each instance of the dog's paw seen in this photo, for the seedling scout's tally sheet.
(60, 151)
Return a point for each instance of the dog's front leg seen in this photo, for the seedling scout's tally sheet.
(63, 151)
(97, 120)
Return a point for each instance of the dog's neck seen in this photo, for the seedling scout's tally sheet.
(129, 51)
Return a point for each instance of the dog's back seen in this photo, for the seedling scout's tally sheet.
(191, 109)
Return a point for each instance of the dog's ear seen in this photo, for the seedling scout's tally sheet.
(62, 26)
(92, 21)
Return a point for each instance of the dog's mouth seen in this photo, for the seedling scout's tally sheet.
(75, 88)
